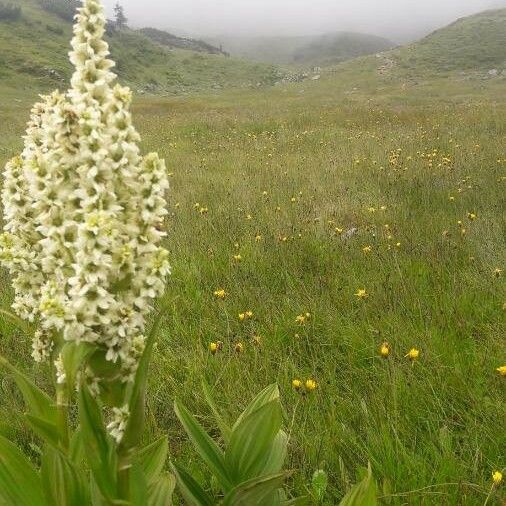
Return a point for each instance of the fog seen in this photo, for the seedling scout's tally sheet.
(400, 20)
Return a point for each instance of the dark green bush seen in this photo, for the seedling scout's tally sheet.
(65, 9)
(9, 12)
(57, 30)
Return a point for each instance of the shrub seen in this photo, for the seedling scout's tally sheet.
(57, 30)
(65, 9)
(9, 12)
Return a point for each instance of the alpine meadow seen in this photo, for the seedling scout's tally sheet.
(250, 268)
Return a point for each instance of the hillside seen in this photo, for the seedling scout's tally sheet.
(305, 50)
(174, 42)
(33, 51)
(475, 42)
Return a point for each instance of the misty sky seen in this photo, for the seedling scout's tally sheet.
(398, 19)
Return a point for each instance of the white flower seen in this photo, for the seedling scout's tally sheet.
(84, 211)
(116, 427)
(60, 371)
(42, 345)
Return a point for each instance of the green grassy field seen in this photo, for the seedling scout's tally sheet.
(326, 188)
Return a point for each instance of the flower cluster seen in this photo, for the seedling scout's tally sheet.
(84, 211)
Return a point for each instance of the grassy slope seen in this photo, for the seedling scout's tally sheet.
(309, 50)
(32, 46)
(174, 42)
(330, 146)
(475, 42)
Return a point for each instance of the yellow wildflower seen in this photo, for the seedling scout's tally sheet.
(385, 350)
(220, 293)
(300, 319)
(502, 370)
(361, 293)
(413, 354)
(311, 385)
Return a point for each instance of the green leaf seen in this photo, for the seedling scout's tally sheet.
(99, 447)
(20, 484)
(47, 431)
(137, 395)
(38, 402)
(319, 484)
(205, 446)
(138, 486)
(97, 499)
(63, 485)
(276, 456)
(73, 356)
(191, 491)
(252, 441)
(152, 458)
(363, 493)
(296, 501)
(224, 427)
(17, 321)
(261, 491)
(162, 490)
(268, 394)
(77, 451)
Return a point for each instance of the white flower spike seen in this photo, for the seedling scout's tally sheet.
(84, 211)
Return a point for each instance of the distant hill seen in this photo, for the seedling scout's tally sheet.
(326, 49)
(338, 47)
(35, 42)
(474, 42)
(174, 42)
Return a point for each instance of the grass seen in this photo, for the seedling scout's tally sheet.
(400, 167)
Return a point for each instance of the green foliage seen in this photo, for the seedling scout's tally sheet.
(9, 12)
(20, 484)
(249, 470)
(319, 484)
(65, 9)
(363, 493)
(135, 477)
